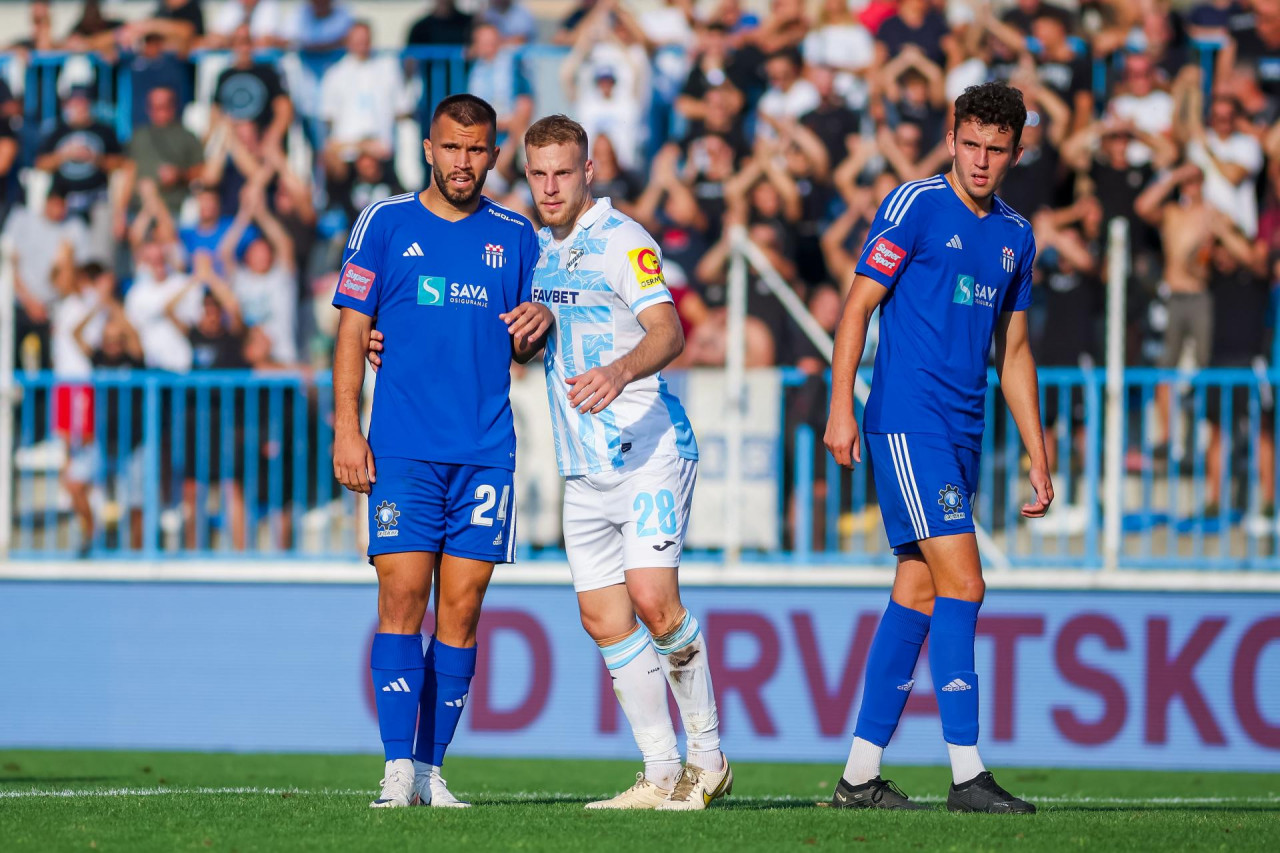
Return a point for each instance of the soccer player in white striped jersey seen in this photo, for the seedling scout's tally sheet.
(627, 451)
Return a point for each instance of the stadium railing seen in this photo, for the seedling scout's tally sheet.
(174, 454)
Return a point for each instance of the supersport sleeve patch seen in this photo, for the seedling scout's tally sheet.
(647, 267)
(356, 282)
(886, 256)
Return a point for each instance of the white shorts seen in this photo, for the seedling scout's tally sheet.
(631, 518)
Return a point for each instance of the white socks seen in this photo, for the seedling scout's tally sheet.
(965, 763)
(864, 762)
(637, 682)
(683, 654)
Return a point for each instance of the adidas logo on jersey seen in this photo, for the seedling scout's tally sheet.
(955, 685)
(955, 243)
(414, 251)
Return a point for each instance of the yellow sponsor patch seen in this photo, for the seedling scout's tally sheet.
(647, 267)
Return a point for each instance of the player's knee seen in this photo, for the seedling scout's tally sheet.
(968, 589)
(401, 611)
(660, 613)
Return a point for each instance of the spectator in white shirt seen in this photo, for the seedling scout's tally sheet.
(614, 101)
(1150, 109)
(839, 40)
(1231, 160)
(39, 243)
(266, 24)
(264, 284)
(361, 97)
(789, 96)
(496, 76)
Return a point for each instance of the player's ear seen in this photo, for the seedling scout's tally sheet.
(590, 169)
(426, 150)
(1017, 155)
(493, 159)
(951, 141)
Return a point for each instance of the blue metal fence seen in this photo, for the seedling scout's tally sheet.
(230, 464)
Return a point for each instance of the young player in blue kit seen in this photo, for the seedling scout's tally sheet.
(444, 270)
(949, 264)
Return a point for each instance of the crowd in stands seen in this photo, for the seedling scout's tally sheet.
(204, 241)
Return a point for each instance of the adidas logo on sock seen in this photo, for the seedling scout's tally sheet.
(953, 243)
(906, 688)
(397, 686)
(458, 703)
(955, 685)
(414, 251)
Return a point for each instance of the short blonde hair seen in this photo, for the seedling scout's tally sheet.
(556, 130)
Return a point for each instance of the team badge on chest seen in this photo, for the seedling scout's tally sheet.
(493, 256)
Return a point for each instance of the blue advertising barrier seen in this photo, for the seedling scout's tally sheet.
(1095, 679)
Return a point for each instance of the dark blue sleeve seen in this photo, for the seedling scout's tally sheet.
(891, 239)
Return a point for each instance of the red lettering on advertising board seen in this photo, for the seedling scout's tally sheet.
(1244, 682)
(833, 707)
(747, 681)
(1169, 679)
(485, 717)
(1005, 632)
(1115, 704)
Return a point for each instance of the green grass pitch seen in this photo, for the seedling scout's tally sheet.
(135, 801)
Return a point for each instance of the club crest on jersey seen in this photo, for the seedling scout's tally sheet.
(952, 503)
(647, 267)
(493, 256)
(387, 516)
(886, 256)
(575, 255)
(1007, 259)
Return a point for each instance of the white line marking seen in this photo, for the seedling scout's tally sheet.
(69, 793)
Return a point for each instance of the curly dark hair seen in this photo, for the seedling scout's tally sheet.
(993, 104)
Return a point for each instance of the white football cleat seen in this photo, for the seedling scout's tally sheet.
(397, 785)
(642, 795)
(696, 788)
(430, 789)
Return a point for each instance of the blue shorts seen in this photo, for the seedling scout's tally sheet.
(925, 485)
(461, 510)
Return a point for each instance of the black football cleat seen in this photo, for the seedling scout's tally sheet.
(876, 794)
(982, 794)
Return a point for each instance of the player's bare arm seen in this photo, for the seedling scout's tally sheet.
(1016, 367)
(841, 437)
(593, 391)
(352, 459)
(527, 324)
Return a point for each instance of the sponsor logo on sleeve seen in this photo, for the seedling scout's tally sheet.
(356, 282)
(647, 267)
(886, 256)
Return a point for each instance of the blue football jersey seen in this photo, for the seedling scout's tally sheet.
(435, 288)
(950, 274)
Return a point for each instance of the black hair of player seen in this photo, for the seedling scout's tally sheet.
(995, 104)
(468, 111)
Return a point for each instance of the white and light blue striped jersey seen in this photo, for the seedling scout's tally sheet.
(596, 282)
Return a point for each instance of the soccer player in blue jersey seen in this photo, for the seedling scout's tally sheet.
(949, 265)
(628, 454)
(444, 270)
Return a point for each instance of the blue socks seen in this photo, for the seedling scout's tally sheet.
(397, 668)
(887, 681)
(443, 698)
(955, 624)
